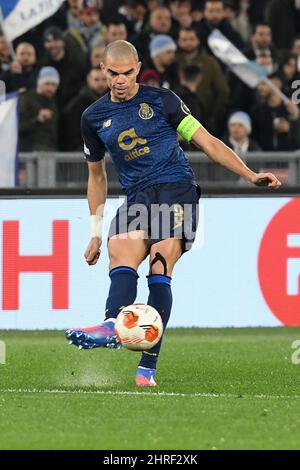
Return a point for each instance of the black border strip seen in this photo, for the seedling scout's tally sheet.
(17, 193)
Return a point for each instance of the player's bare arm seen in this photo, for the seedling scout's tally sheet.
(96, 192)
(217, 151)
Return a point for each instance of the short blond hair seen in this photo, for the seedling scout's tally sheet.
(120, 49)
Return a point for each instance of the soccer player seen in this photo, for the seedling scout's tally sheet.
(138, 126)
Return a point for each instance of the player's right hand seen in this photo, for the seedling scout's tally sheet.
(93, 251)
(266, 179)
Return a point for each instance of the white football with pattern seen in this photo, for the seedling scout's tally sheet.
(139, 327)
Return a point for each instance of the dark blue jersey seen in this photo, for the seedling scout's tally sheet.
(140, 136)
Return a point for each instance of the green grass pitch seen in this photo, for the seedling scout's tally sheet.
(218, 389)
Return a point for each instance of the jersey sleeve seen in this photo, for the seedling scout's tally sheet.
(174, 108)
(179, 115)
(94, 148)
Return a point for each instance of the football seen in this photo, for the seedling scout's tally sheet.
(139, 327)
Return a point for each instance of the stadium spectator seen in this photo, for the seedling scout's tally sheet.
(72, 15)
(296, 50)
(261, 43)
(181, 12)
(5, 58)
(237, 15)
(68, 60)
(94, 88)
(191, 77)
(91, 30)
(134, 13)
(266, 61)
(150, 77)
(39, 115)
(80, 49)
(283, 16)
(66, 17)
(276, 126)
(214, 17)
(160, 22)
(116, 30)
(230, 11)
(288, 72)
(213, 91)
(96, 56)
(239, 131)
(162, 53)
(242, 96)
(23, 72)
(256, 10)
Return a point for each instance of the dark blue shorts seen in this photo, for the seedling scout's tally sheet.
(161, 211)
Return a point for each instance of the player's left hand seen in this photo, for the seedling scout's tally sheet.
(266, 179)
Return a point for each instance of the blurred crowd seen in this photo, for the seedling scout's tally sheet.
(55, 67)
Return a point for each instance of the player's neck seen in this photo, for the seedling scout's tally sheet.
(128, 97)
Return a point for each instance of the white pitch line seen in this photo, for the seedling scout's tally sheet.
(149, 394)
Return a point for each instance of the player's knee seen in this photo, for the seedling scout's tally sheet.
(115, 252)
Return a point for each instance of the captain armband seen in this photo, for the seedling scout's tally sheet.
(188, 127)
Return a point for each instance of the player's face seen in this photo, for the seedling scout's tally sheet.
(121, 76)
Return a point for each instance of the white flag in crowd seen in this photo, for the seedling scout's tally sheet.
(9, 141)
(248, 71)
(18, 16)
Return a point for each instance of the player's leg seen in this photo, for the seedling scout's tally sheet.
(163, 257)
(126, 252)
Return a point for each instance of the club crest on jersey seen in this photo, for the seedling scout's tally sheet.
(145, 111)
(107, 123)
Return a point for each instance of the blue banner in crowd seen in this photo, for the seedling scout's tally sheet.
(21, 15)
(8, 6)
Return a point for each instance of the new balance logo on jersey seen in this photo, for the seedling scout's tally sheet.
(106, 123)
(86, 150)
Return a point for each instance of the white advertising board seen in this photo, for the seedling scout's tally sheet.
(244, 269)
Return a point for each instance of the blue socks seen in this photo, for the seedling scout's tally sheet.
(123, 290)
(160, 297)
